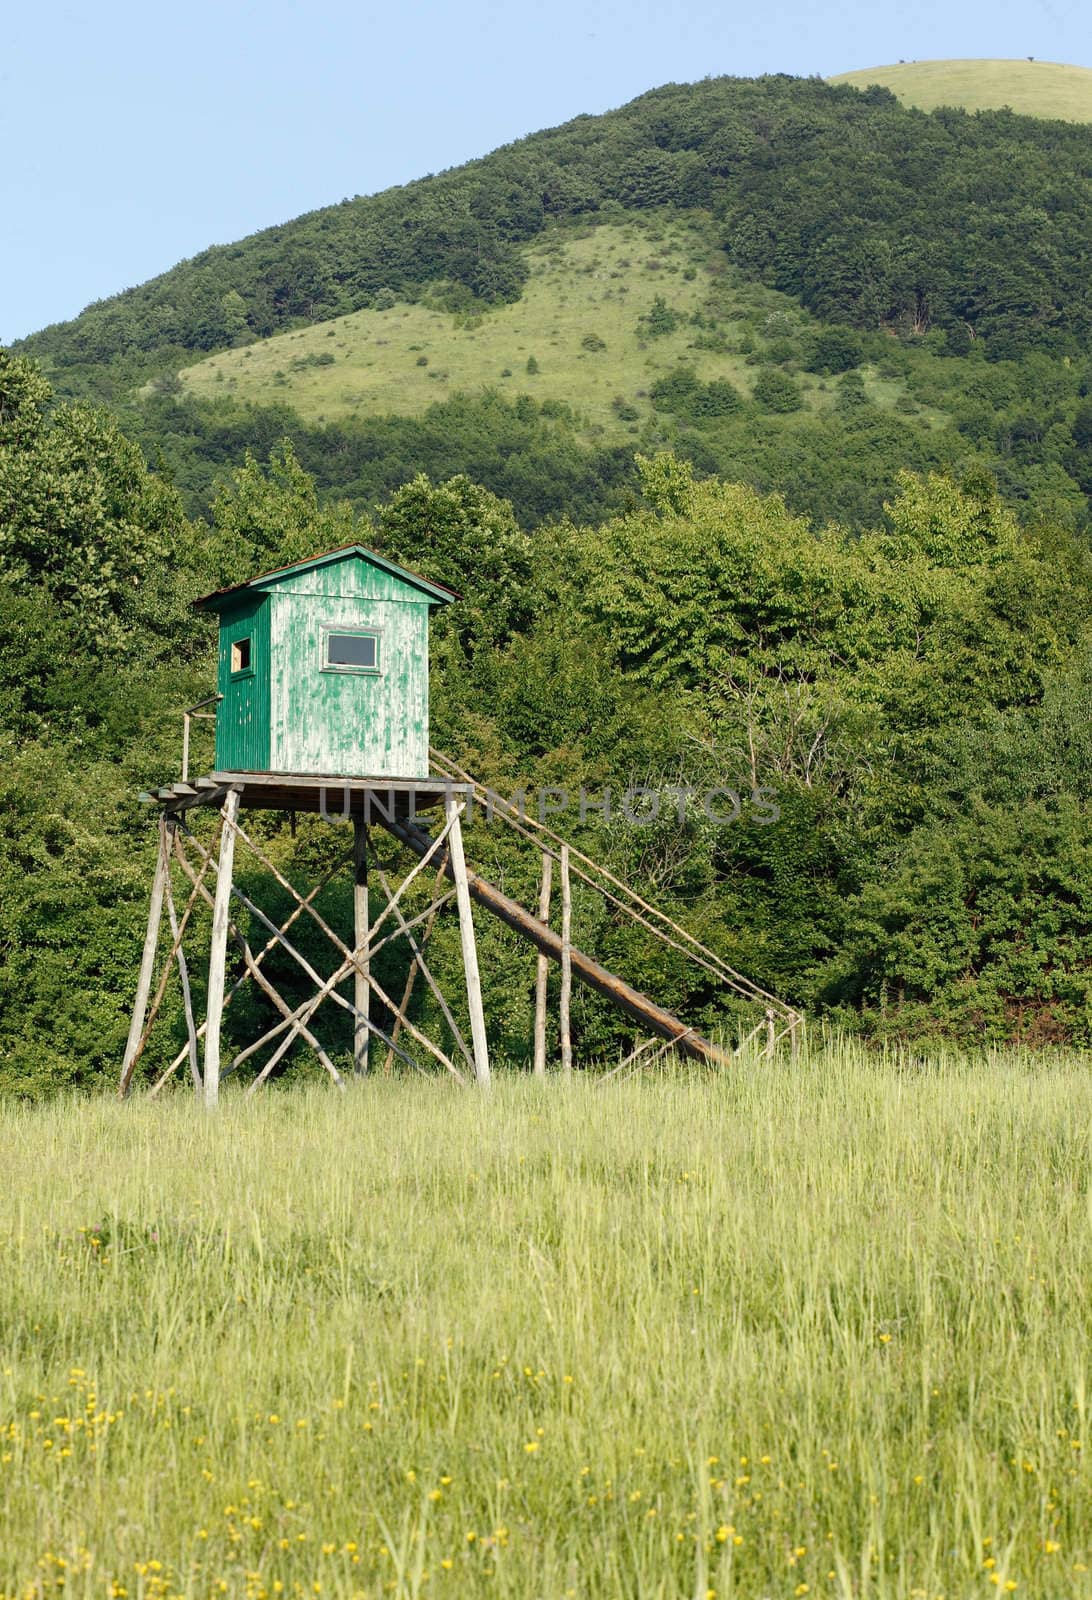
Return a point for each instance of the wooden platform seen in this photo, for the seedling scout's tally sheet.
(375, 798)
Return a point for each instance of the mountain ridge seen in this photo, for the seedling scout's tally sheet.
(843, 329)
(754, 153)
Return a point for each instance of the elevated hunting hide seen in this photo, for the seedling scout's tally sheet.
(323, 668)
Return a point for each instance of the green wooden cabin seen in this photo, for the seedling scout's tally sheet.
(324, 668)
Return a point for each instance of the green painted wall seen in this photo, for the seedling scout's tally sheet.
(291, 713)
(242, 716)
(351, 724)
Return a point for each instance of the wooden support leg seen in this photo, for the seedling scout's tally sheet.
(566, 962)
(411, 976)
(184, 979)
(542, 969)
(218, 951)
(361, 987)
(147, 964)
(470, 950)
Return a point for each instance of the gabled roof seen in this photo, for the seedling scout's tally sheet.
(436, 593)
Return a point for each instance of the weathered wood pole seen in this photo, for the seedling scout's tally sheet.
(470, 949)
(566, 962)
(411, 977)
(184, 980)
(147, 962)
(218, 950)
(361, 987)
(771, 1034)
(542, 968)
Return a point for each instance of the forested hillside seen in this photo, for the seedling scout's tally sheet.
(879, 288)
(844, 198)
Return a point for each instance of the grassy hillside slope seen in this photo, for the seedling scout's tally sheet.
(583, 323)
(1033, 88)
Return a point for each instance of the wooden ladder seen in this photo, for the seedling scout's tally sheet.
(777, 1021)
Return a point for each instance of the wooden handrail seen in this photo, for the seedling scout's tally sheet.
(188, 716)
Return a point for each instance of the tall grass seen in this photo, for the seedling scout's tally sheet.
(819, 1329)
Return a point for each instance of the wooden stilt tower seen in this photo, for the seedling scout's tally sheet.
(322, 707)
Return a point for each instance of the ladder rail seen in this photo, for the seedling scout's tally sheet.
(651, 1016)
(697, 952)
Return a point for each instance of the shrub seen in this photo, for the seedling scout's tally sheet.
(851, 392)
(717, 399)
(712, 340)
(835, 349)
(659, 320)
(776, 391)
(675, 391)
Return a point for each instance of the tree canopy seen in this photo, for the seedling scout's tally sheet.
(911, 701)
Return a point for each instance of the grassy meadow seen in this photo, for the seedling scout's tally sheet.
(1033, 88)
(821, 1329)
(579, 320)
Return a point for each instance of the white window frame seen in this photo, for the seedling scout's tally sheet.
(357, 630)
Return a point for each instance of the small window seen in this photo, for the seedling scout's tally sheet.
(240, 655)
(350, 650)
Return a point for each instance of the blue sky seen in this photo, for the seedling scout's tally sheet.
(136, 134)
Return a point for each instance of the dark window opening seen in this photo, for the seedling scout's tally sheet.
(240, 655)
(354, 652)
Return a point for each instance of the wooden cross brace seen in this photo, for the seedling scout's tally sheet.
(197, 862)
(252, 965)
(295, 1022)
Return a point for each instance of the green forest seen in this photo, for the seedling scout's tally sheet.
(860, 577)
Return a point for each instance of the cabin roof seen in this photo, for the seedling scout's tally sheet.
(436, 593)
